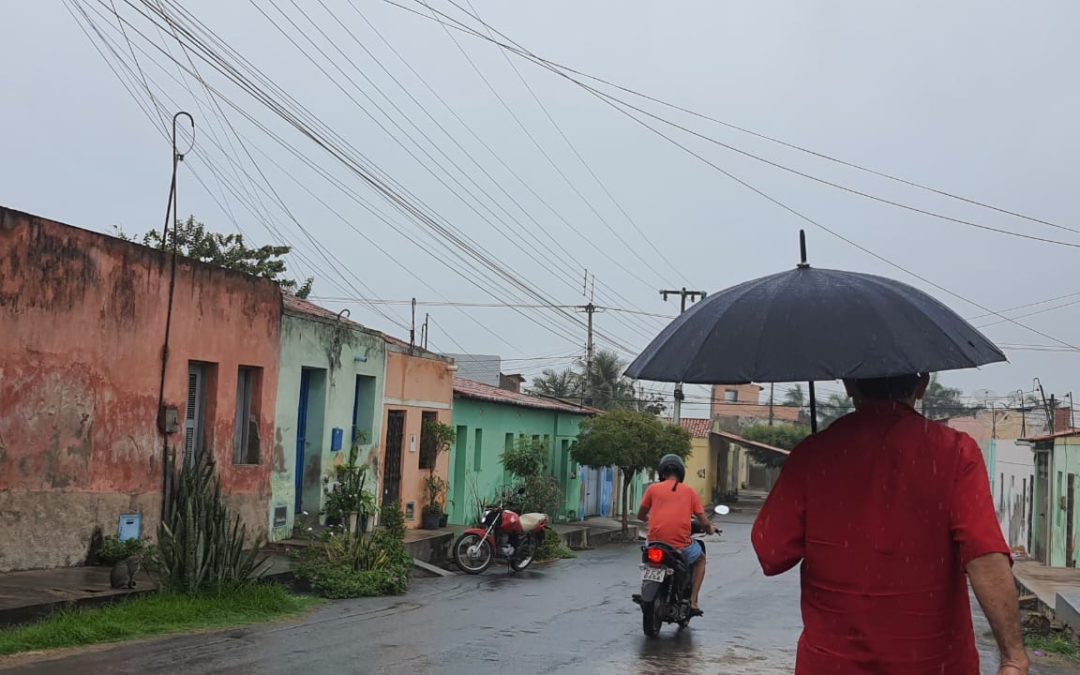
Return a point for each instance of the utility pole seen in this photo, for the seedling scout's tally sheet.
(676, 414)
(772, 388)
(590, 309)
(424, 331)
(412, 327)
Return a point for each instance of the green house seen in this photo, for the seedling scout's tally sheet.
(488, 420)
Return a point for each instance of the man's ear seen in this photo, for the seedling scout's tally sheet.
(924, 382)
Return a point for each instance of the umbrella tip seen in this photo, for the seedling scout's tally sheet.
(802, 250)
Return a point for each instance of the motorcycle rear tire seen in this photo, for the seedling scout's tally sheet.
(519, 562)
(650, 618)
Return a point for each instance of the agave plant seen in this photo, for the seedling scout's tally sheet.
(199, 546)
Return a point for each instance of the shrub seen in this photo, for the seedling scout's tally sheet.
(553, 548)
(113, 550)
(362, 565)
(199, 546)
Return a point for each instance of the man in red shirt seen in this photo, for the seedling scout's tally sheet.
(887, 511)
(669, 505)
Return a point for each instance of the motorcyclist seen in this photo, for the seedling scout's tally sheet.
(669, 507)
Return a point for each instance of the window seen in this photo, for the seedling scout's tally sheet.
(246, 437)
(478, 452)
(429, 452)
(199, 406)
(731, 396)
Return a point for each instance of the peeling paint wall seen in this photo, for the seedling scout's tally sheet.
(415, 384)
(336, 352)
(83, 319)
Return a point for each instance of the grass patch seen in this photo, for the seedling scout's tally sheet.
(155, 614)
(1054, 643)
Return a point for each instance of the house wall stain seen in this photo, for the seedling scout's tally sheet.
(83, 319)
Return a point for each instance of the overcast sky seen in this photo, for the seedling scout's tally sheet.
(975, 98)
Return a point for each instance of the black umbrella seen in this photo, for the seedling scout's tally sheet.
(812, 324)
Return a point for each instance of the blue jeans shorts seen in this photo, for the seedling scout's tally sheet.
(692, 553)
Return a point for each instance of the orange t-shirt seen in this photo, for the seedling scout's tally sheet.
(670, 512)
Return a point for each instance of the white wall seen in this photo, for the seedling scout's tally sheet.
(1013, 469)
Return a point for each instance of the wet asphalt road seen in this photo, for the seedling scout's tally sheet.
(569, 617)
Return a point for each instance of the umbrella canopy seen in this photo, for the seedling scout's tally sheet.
(812, 324)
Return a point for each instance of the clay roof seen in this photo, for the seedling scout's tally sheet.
(485, 392)
(747, 443)
(698, 427)
(1049, 437)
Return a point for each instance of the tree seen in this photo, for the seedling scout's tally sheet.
(193, 240)
(940, 401)
(834, 407)
(603, 387)
(795, 397)
(630, 440)
(783, 436)
(557, 384)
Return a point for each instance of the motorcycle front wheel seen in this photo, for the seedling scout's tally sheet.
(650, 618)
(473, 553)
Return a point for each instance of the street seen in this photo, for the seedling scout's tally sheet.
(573, 616)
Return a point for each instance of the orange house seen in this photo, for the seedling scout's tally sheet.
(87, 409)
(419, 387)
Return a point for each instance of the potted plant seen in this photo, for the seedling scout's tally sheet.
(441, 437)
(432, 515)
(347, 502)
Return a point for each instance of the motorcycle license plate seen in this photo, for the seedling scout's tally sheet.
(653, 573)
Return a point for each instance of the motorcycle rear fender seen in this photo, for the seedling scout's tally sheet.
(650, 590)
(482, 533)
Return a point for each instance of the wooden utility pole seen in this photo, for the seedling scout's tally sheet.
(676, 414)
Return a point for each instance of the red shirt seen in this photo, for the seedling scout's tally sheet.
(884, 509)
(670, 511)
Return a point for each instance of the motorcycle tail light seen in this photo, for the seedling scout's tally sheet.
(656, 556)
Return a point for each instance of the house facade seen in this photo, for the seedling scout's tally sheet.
(488, 421)
(419, 387)
(89, 411)
(329, 396)
(1056, 509)
(701, 464)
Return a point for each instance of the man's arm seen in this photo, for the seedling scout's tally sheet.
(992, 579)
(646, 504)
(986, 557)
(705, 523)
(780, 529)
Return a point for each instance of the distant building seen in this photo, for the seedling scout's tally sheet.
(485, 368)
(743, 401)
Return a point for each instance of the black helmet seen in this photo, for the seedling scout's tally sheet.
(672, 464)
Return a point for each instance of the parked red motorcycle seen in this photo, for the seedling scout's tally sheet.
(503, 534)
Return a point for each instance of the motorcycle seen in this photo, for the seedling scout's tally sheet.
(667, 582)
(502, 534)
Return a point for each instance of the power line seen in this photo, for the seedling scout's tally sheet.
(523, 52)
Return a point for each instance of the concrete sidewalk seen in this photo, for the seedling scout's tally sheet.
(27, 596)
(34, 594)
(1057, 588)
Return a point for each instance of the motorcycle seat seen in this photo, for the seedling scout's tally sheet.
(531, 521)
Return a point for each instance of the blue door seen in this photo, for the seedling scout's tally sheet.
(301, 438)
